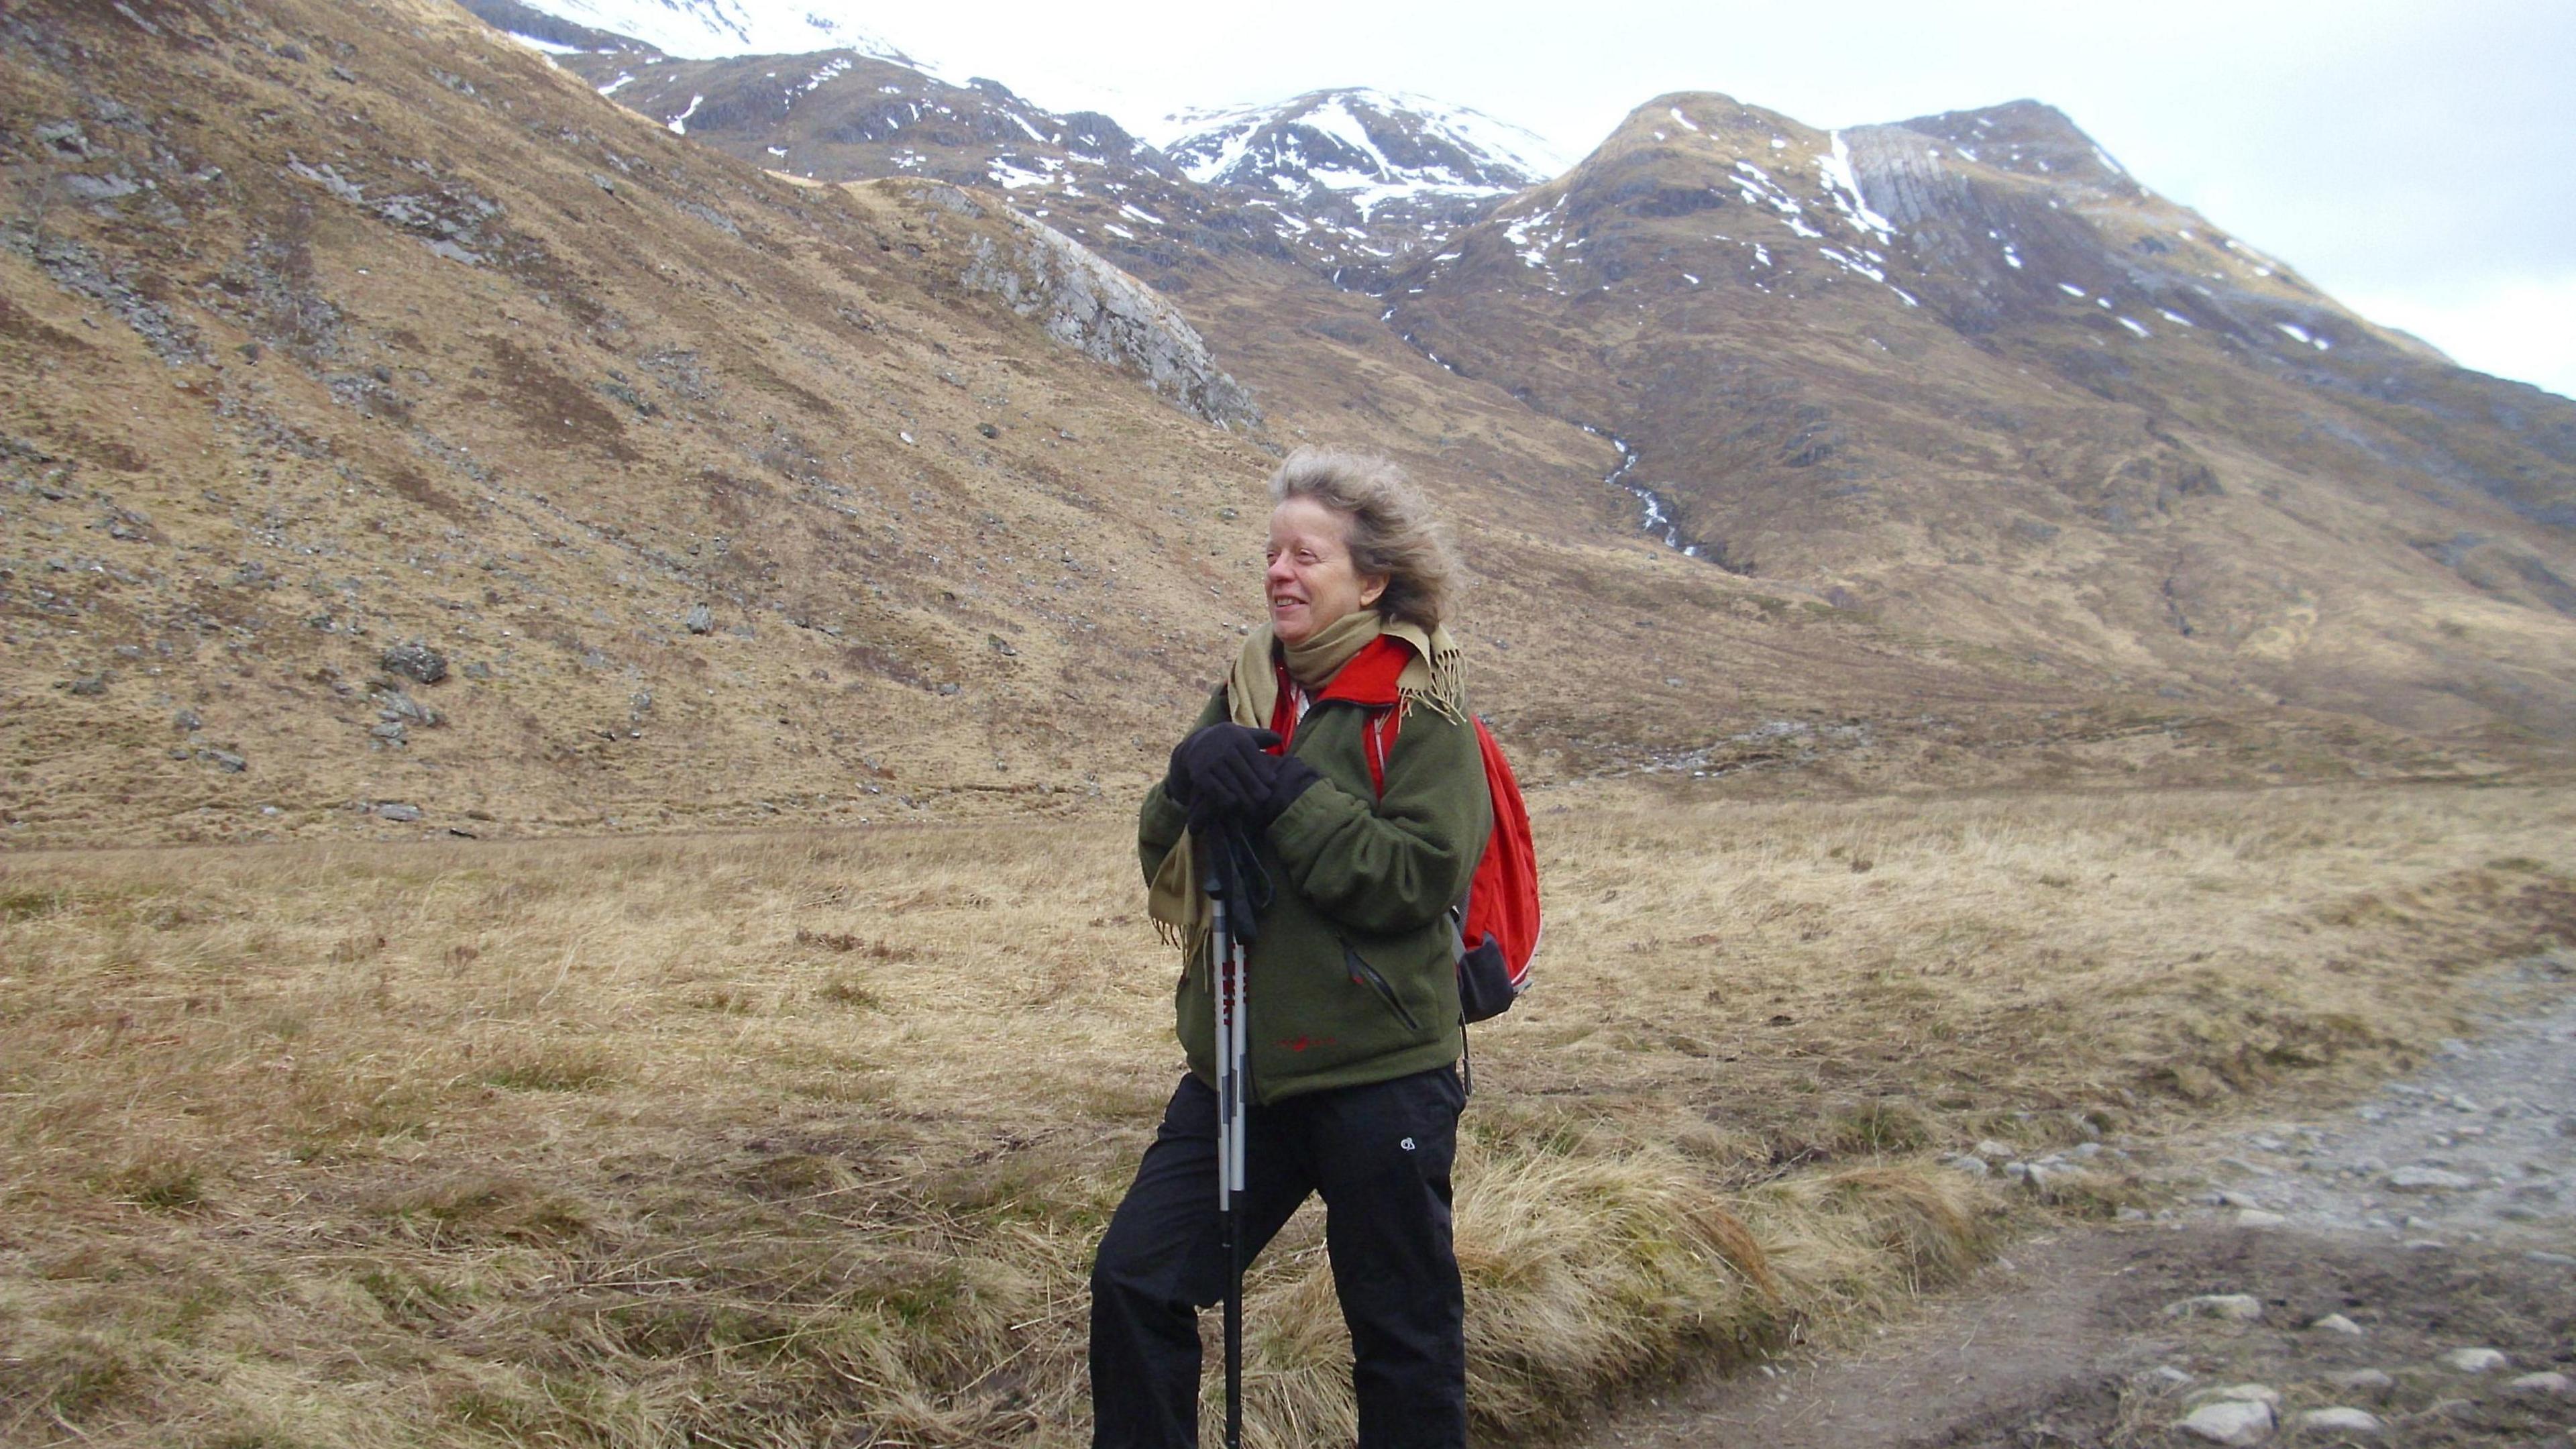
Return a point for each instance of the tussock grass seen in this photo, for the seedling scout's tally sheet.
(806, 1138)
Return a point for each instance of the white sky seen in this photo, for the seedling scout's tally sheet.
(2417, 160)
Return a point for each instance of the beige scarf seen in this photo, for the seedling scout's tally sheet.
(1433, 677)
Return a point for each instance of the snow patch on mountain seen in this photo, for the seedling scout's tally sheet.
(1842, 187)
(714, 29)
(1370, 146)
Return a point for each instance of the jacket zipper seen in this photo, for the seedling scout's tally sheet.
(1367, 975)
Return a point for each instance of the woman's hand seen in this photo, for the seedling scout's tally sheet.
(1224, 769)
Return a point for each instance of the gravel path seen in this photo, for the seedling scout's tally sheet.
(2402, 1272)
(2482, 1146)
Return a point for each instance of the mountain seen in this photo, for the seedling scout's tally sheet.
(1968, 374)
(1361, 177)
(1349, 183)
(398, 437)
(845, 115)
(694, 28)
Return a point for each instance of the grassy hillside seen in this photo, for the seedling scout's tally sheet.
(723, 499)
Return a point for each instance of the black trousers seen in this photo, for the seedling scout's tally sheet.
(1380, 1154)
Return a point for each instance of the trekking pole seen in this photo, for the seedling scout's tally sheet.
(1226, 966)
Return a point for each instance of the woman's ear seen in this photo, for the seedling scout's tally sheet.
(1371, 585)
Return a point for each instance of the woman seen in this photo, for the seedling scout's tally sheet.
(1351, 992)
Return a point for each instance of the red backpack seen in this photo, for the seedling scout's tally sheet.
(1496, 924)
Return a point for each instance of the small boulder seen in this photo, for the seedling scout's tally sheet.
(2475, 1360)
(91, 684)
(2544, 1385)
(2341, 1420)
(1969, 1163)
(226, 761)
(2428, 1179)
(394, 705)
(2337, 1323)
(2264, 1394)
(397, 811)
(2229, 1421)
(2233, 1307)
(2367, 1382)
(2258, 1218)
(414, 659)
(699, 620)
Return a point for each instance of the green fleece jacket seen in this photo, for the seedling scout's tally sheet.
(1354, 975)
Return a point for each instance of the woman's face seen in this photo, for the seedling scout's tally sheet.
(1311, 581)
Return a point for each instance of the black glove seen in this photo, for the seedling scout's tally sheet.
(1289, 778)
(1222, 769)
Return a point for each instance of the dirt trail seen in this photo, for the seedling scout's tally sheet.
(2438, 1217)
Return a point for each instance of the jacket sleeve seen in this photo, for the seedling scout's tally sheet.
(1160, 821)
(1392, 865)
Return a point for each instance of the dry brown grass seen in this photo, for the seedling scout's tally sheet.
(805, 1138)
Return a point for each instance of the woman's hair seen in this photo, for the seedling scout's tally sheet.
(1391, 527)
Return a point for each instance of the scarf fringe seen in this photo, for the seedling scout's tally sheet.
(1443, 682)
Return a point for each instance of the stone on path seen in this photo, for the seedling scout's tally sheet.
(2551, 1385)
(2229, 1421)
(2341, 1420)
(2234, 1307)
(2258, 1218)
(2475, 1360)
(2337, 1323)
(2363, 1381)
(2428, 1179)
(2264, 1394)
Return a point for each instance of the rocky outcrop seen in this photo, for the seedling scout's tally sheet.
(1085, 303)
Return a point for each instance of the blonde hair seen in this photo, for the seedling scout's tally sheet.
(1391, 528)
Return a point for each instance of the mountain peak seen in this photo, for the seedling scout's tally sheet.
(2025, 136)
(695, 29)
(1359, 140)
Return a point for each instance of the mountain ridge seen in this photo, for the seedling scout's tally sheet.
(401, 437)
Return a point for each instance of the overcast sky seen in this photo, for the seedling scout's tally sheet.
(2417, 160)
